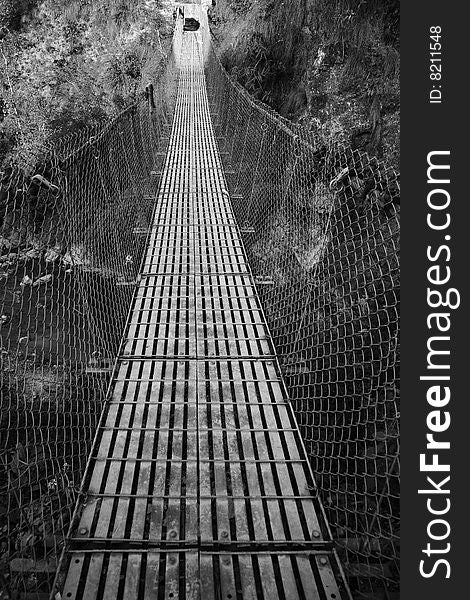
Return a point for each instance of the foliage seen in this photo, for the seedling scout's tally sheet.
(70, 63)
(13, 12)
(331, 64)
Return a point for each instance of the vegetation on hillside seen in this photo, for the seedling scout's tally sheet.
(332, 65)
(70, 63)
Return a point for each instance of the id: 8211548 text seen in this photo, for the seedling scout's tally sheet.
(435, 64)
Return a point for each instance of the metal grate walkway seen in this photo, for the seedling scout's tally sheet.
(198, 485)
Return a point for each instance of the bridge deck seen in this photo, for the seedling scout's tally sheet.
(198, 486)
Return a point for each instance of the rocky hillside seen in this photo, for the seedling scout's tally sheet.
(69, 63)
(332, 65)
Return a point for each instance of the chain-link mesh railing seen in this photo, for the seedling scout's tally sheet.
(72, 238)
(321, 228)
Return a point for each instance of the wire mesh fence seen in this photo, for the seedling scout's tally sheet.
(72, 238)
(321, 228)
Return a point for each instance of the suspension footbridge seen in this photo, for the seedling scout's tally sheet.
(234, 434)
(198, 484)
